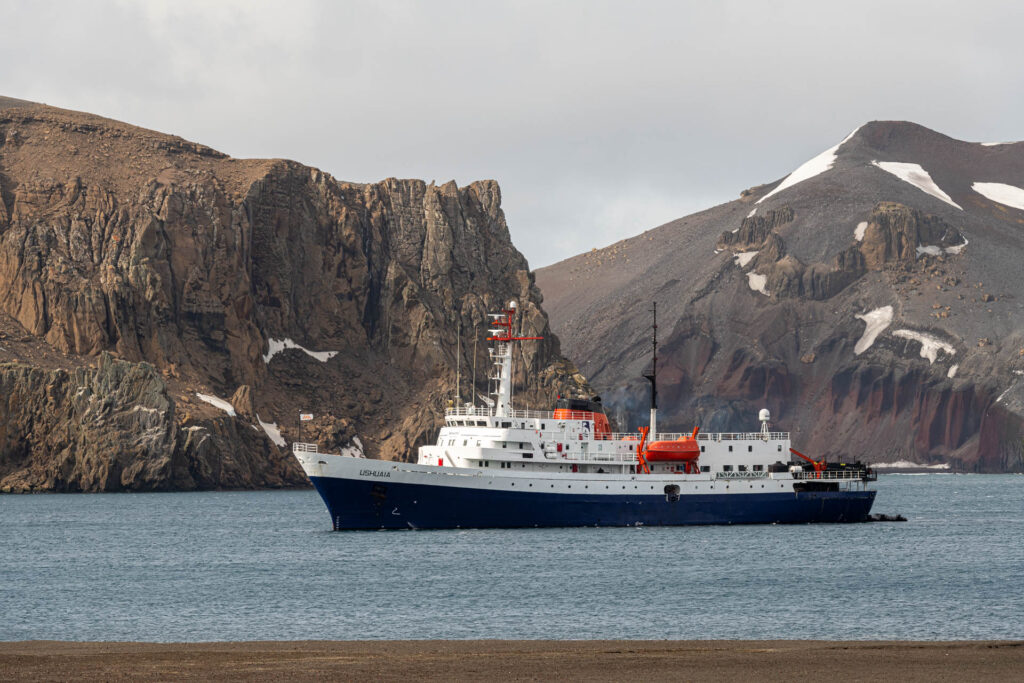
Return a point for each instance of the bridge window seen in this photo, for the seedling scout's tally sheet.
(742, 468)
(759, 468)
(730, 448)
(750, 449)
(727, 468)
(780, 448)
(702, 448)
(705, 468)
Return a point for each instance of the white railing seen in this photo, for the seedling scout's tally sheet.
(741, 475)
(731, 436)
(305, 448)
(831, 475)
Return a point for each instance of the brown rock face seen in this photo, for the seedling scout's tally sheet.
(115, 427)
(156, 249)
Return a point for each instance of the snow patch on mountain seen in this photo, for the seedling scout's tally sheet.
(858, 232)
(1001, 193)
(276, 346)
(272, 431)
(916, 176)
(809, 169)
(876, 322)
(756, 282)
(218, 402)
(952, 371)
(930, 346)
(745, 257)
(958, 248)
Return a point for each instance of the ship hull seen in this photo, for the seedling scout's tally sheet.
(358, 503)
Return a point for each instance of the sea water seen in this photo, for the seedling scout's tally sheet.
(265, 566)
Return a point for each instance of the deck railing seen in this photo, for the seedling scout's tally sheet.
(741, 475)
(832, 475)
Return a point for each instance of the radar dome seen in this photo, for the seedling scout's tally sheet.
(764, 415)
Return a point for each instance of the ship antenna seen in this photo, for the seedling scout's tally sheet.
(653, 377)
(475, 337)
(458, 366)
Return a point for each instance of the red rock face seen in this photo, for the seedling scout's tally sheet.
(779, 328)
(154, 249)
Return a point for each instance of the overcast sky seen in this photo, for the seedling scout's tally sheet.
(599, 119)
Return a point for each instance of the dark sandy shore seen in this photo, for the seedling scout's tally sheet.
(476, 660)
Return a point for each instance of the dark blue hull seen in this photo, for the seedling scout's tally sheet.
(361, 504)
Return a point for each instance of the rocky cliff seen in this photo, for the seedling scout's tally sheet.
(872, 300)
(228, 296)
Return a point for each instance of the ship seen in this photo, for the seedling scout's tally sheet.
(496, 466)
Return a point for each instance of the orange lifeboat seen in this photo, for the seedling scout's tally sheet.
(683, 449)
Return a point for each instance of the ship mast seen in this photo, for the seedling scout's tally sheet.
(653, 377)
(501, 353)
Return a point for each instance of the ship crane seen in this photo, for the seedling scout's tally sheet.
(819, 465)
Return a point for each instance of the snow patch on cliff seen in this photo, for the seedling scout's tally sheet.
(276, 346)
(876, 321)
(858, 232)
(930, 346)
(217, 402)
(916, 176)
(952, 371)
(273, 433)
(756, 281)
(745, 257)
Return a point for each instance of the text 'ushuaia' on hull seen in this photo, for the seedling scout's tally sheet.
(496, 466)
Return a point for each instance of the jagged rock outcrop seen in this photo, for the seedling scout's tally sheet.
(754, 230)
(266, 283)
(879, 317)
(898, 233)
(114, 427)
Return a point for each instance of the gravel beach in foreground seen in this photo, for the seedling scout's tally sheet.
(516, 660)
